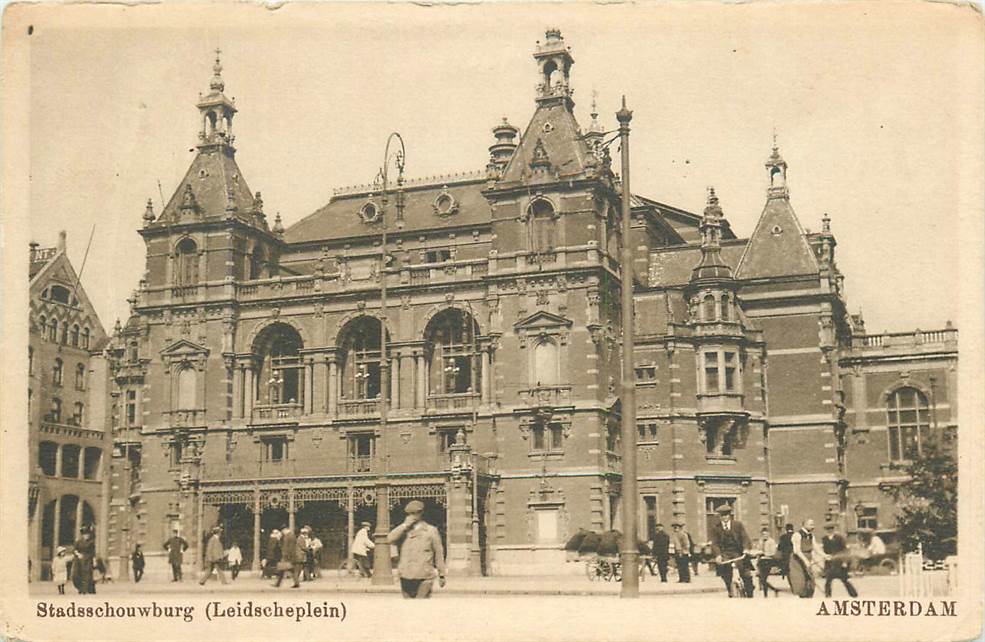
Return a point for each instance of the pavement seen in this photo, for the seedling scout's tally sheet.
(704, 585)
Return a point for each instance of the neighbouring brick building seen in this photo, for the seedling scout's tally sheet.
(68, 430)
(247, 380)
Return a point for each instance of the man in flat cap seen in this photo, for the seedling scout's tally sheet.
(421, 554)
(729, 541)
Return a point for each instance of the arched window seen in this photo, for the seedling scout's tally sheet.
(133, 353)
(256, 263)
(908, 422)
(56, 411)
(85, 338)
(451, 340)
(361, 359)
(709, 307)
(546, 370)
(43, 324)
(90, 462)
(60, 294)
(64, 336)
(68, 527)
(281, 377)
(53, 330)
(77, 412)
(58, 372)
(543, 226)
(80, 377)
(48, 458)
(186, 263)
(187, 387)
(75, 335)
(726, 307)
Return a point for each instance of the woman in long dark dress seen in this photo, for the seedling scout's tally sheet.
(82, 568)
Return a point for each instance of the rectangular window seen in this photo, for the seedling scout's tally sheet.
(711, 372)
(361, 452)
(446, 439)
(647, 431)
(177, 449)
(275, 449)
(646, 374)
(557, 437)
(650, 505)
(549, 438)
(538, 438)
(437, 256)
(868, 517)
(131, 407)
(730, 370)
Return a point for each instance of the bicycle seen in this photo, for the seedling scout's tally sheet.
(737, 586)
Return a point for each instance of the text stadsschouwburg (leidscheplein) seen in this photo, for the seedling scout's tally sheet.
(214, 610)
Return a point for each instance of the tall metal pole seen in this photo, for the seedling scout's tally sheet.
(382, 567)
(629, 553)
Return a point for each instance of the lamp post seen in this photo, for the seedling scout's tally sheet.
(629, 553)
(382, 567)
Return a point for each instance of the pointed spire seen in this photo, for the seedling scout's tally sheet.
(777, 171)
(595, 127)
(554, 62)
(711, 264)
(826, 224)
(217, 84)
(149, 213)
(278, 226)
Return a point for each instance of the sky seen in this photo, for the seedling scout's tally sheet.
(875, 109)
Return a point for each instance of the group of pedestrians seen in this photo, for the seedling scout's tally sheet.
(677, 544)
(296, 554)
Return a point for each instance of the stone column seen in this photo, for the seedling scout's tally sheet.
(484, 383)
(78, 519)
(309, 370)
(237, 392)
(58, 460)
(422, 381)
(290, 509)
(249, 393)
(333, 387)
(319, 385)
(256, 529)
(459, 525)
(395, 382)
(57, 525)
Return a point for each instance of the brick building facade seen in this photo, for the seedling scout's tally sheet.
(68, 430)
(247, 381)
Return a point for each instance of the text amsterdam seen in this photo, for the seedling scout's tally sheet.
(888, 608)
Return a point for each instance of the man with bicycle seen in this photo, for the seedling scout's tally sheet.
(729, 542)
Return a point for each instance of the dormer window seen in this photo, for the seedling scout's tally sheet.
(709, 307)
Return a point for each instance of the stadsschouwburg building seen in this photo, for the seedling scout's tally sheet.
(248, 383)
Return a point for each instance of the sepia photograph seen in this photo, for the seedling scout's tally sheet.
(331, 307)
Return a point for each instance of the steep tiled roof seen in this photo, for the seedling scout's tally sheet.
(672, 266)
(341, 217)
(554, 131)
(778, 245)
(212, 174)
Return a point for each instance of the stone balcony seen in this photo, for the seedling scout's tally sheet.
(452, 402)
(189, 418)
(279, 413)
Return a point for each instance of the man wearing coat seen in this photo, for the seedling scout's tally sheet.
(729, 540)
(138, 563)
(176, 546)
(682, 553)
(421, 554)
(213, 558)
(661, 551)
(291, 558)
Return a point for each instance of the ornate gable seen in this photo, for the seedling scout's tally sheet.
(184, 351)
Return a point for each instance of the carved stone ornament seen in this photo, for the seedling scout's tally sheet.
(370, 212)
(445, 204)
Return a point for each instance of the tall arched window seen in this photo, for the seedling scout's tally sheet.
(546, 369)
(77, 413)
(187, 386)
(709, 307)
(452, 351)
(908, 422)
(726, 307)
(80, 377)
(281, 371)
(75, 335)
(256, 263)
(186, 262)
(43, 325)
(361, 359)
(85, 338)
(58, 372)
(64, 336)
(543, 226)
(53, 330)
(56, 411)
(48, 458)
